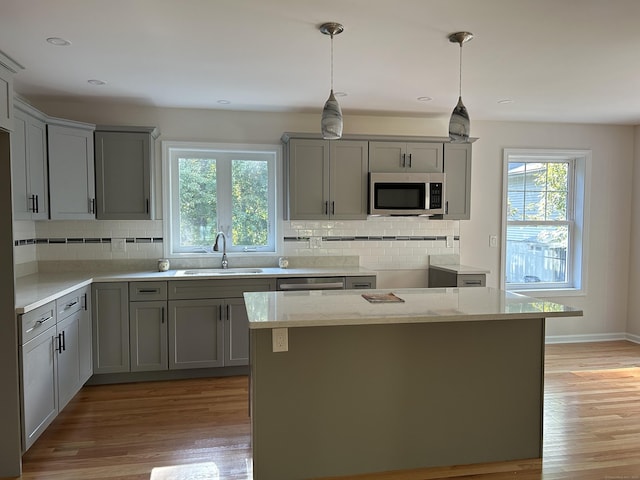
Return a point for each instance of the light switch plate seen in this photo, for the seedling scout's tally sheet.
(449, 241)
(493, 241)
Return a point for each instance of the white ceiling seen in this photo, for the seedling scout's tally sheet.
(558, 60)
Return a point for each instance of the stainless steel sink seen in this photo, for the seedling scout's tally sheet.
(195, 272)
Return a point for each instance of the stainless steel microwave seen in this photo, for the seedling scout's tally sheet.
(406, 193)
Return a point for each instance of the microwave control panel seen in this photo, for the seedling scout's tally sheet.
(435, 195)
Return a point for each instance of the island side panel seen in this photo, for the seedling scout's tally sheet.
(357, 399)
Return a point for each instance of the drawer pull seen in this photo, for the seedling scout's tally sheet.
(149, 290)
(38, 323)
(69, 305)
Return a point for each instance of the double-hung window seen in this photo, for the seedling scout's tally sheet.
(219, 188)
(544, 219)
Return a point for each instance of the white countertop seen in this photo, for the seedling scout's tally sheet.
(33, 291)
(348, 307)
(460, 269)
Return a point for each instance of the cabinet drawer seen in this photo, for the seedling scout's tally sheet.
(142, 291)
(193, 289)
(361, 282)
(71, 303)
(472, 280)
(37, 321)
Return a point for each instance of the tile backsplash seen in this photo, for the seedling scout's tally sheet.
(380, 243)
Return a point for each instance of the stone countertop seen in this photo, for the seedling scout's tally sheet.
(348, 307)
(460, 269)
(33, 291)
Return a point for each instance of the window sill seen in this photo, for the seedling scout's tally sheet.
(555, 292)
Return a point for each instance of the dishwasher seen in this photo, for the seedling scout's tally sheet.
(311, 283)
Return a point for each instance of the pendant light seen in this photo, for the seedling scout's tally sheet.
(459, 124)
(331, 113)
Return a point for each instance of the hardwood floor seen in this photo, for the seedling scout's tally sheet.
(197, 427)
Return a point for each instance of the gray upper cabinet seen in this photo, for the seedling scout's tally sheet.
(29, 163)
(393, 157)
(326, 179)
(457, 167)
(71, 170)
(7, 68)
(124, 164)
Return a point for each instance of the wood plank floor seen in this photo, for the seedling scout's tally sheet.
(197, 427)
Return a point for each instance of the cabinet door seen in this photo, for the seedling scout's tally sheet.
(424, 157)
(457, 167)
(236, 335)
(308, 179)
(29, 168)
(85, 345)
(196, 334)
(387, 157)
(67, 348)
(349, 165)
(148, 336)
(39, 385)
(123, 175)
(71, 173)
(6, 94)
(110, 318)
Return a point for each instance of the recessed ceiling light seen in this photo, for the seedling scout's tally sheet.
(505, 101)
(58, 41)
(95, 81)
(424, 99)
(224, 102)
(339, 94)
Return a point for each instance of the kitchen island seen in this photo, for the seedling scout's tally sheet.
(443, 377)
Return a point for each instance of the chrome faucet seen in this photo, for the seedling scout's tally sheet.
(225, 262)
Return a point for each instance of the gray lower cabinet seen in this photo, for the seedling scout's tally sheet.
(208, 324)
(457, 167)
(110, 317)
(124, 159)
(29, 163)
(148, 326)
(54, 352)
(148, 335)
(326, 179)
(38, 372)
(196, 332)
(394, 157)
(71, 170)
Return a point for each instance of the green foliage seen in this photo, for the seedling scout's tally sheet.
(250, 209)
(198, 201)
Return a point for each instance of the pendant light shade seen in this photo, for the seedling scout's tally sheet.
(460, 124)
(331, 113)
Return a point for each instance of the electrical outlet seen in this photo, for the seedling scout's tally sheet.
(280, 339)
(118, 245)
(493, 241)
(449, 241)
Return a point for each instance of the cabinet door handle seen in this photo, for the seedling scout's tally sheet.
(31, 199)
(326, 208)
(403, 160)
(84, 302)
(228, 312)
(410, 160)
(37, 207)
(147, 205)
(333, 208)
(162, 313)
(446, 207)
(59, 347)
(220, 313)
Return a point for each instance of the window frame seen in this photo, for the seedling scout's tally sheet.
(577, 219)
(170, 150)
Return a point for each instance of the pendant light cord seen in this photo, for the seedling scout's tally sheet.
(332, 62)
(460, 82)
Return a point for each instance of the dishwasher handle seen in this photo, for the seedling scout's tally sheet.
(312, 286)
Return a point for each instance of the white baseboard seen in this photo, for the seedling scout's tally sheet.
(596, 337)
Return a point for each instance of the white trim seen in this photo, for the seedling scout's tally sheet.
(581, 205)
(633, 338)
(590, 337)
